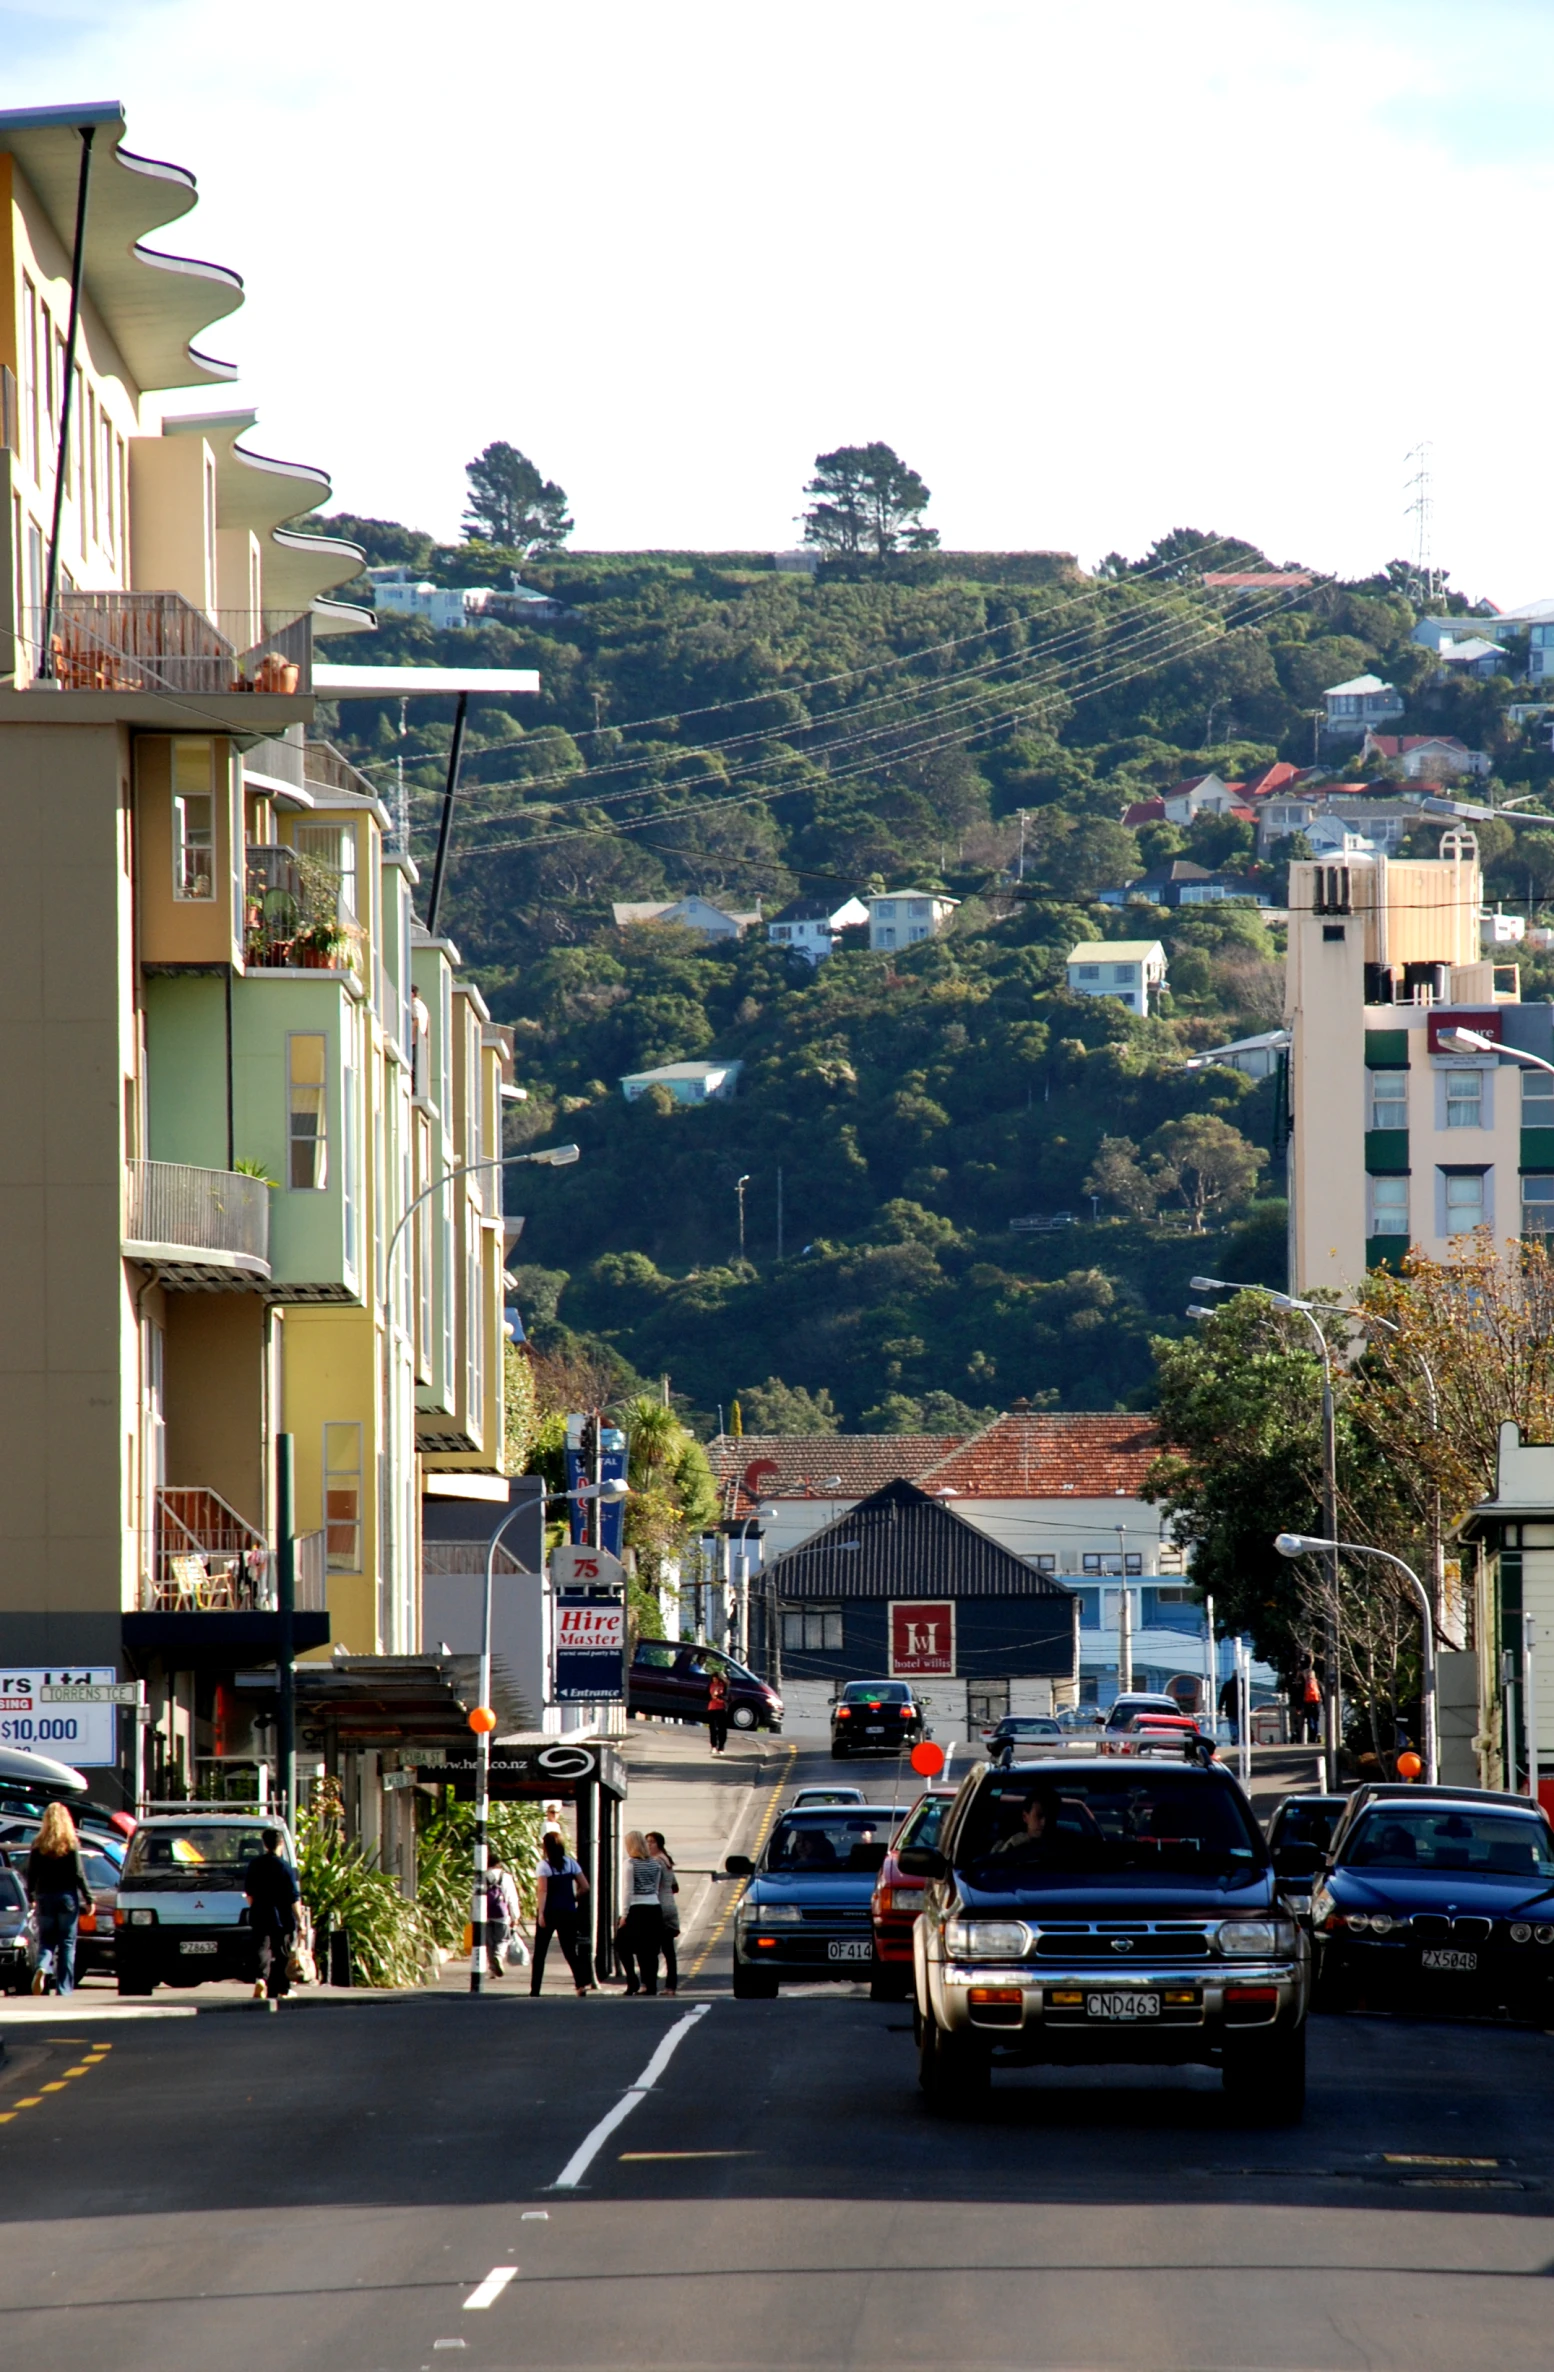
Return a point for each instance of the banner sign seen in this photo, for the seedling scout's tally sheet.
(590, 1655)
(922, 1638)
(580, 1471)
(36, 1717)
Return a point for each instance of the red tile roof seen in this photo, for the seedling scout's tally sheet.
(1270, 778)
(1036, 1454)
(750, 1467)
(1146, 811)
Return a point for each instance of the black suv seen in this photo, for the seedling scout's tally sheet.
(1086, 1912)
(874, 1717)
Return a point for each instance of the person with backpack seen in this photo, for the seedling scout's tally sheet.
(503, 1911)
(563, 1890)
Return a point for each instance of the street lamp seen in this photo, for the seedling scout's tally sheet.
(1299, 1544)
(739, 1188)
(482, 1719)
(1307, 1310)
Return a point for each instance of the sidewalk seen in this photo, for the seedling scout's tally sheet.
(706, 1805)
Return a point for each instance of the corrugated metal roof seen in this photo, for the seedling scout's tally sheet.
(900, 1543)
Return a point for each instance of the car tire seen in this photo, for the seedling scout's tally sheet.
(134, 1986)
(743, 1717)
(891, 1984)
(1265, 2078)
(838, 1753)
(751, 1985)
(954, 2071)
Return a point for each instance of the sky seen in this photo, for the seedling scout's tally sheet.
(1094, 271)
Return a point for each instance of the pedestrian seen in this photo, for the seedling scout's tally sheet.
(59, 1893)
(562, 1889)
(273, 1894)
(717, 1708)
(1311, 1706)
(649, 1885)
(671, 1911)
(1230, 1707)
(503, 1910)
(550, 1820)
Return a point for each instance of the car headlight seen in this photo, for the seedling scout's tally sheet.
(774, 1915)
(986, 1939)
(1520, 1933)
(1254, 1939)
(1543, 1935)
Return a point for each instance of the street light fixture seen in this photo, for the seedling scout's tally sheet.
(1300, 1544)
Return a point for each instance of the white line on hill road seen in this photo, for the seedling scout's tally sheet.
(487, 2292)
(583, 2157)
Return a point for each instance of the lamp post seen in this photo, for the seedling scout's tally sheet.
(1306, 1310)
(744, 1582)
(482, 1719)
(739, 1188)
(1300, 1544)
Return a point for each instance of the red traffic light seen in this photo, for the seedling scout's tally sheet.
(927, 1759)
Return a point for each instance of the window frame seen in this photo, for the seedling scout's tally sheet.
(338, 1478)
(319, 1140)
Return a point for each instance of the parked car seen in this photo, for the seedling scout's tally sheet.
(16, 1934)
(182, 1916)
(1126, 1709)
(668, 1678)
(1304, 1822)
(1101, 1910)
(875, 1717)
(96, 1934)
(805, 1914)
(818, 1798)
(898, 1898)
(1024, 1733)
(1149, 1732)
(1439, 1900)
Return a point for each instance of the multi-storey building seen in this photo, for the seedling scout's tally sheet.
(233, 1060)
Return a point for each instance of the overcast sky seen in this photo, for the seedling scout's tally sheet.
(1095, 270)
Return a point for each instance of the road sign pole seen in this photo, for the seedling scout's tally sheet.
(286, 1602)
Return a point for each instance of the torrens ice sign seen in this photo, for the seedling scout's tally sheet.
(922, 1638)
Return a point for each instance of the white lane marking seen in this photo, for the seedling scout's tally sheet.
(584, 2155)
(535, 2215)
(487, 2292)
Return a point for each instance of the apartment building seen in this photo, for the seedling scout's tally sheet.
(231, 1064)
(1398, 1138)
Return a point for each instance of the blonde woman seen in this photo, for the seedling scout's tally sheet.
(649, 1886)
(59, 1893)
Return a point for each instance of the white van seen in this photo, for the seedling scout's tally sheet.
(182, 1916)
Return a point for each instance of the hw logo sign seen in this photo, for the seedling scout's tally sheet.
(922, 1638)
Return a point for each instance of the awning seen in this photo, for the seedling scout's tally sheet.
(399, 683)
(363, 1701)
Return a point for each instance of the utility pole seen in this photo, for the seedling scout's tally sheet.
(285, 1648)
(1530, 1700)
(1021, 874)
(739, 1190)
(779, 1214)
(1124, 1638)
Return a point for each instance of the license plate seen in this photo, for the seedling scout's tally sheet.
(860, 1950)
(191, 1945)
(1459, 1964)
(1122, 2008)
(874, 1729)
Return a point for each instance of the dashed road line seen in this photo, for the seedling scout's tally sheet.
(486, 2293)
(587, 2150)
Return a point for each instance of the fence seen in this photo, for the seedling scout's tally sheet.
(158, 642)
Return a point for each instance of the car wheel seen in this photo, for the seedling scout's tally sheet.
(890, 1985)
(1266, 2079)
(954, 2071)
(838, 1753)
(742, 1717)
(751, 1985)
(134, 1985)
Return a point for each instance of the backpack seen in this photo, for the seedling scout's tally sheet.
(560, 1894)
(496, 1902)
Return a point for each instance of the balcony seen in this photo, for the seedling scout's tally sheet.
(203, 1231)
(208, 1583)
(160, 643)
(296, 914)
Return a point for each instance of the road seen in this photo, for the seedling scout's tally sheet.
(332, 2187)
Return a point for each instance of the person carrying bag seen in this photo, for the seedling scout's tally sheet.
(649, 1886)
(562, 1891)
(59, 1893)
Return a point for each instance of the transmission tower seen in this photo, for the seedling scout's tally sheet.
(1420, 510)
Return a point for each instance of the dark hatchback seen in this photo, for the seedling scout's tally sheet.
(874, 1717)
(1089, 1912)
(668, 1679)
(806, 1914)
(1438, 1902)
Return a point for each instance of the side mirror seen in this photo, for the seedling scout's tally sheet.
(921, 1861)
(739, 1865)
(1299, 1861)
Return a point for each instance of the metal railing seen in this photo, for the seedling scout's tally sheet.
(295, 915)
(330, 769)
(194, 1210)
(202, 1557)
(159, 642)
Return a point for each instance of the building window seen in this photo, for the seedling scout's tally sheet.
(194, 822)
(343, 1498)
(1176, 1596)
(1464, 1099)
(813, 1630)
(1089, 971)
(1122, 971)
(1132, 1563)
(350, 1166)
(1045, 1564)
(1089, 1609)
(1464, 1201)
(1089, 1564)
(1538, 1099)
(1389, 1099)
(1389, 1206)
(1538, 1206)
(307, 1123)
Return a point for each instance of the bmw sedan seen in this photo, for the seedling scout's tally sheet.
(1438, 1904)
(806, 1914)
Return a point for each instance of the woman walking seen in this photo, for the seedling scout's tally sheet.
(562, 1890)
(717, 1708)
(649, 1885)
(59, 1893)
(670, 1909)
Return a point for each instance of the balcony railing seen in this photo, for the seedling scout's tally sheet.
(158, 642)
(202, 1557)
(176, 1208)
(296, 915)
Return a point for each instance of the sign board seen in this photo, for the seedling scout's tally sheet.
(585, 1568)
(33, 1717)
(590, 1646)
(533, 1773)
(922, 1638)
(108, 1692)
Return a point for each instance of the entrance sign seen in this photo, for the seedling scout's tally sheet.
(922, 1638)
(42, 1711)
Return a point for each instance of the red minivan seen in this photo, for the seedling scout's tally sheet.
(668, 1679)
(898, 1900)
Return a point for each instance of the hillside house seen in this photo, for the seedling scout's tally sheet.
(1471, 656)
(1426, 757)
(901, 917)
(692, 913)
(1364, 701)
(1182, 883)
(687, 1082)
(1131, 970)
(812, 927)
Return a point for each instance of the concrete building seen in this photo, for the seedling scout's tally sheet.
(1131, 970)
(1396, 1137)
(687, 1082)
(812, 927)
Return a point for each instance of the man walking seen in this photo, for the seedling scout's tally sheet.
(273, 1894)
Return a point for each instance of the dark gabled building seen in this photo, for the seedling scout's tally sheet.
(902, 1586)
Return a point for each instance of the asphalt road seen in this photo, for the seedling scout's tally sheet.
(332, 2187)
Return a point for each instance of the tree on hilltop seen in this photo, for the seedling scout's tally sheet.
(867, 500)
(512, 505)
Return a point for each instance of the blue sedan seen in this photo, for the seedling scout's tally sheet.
(806, 1913)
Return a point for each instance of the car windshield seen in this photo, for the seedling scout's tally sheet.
(192, 1855)
(100, 1871)
(818, 1796)
(876, 1692)
(1035, 1726)
(922, 1826)
(1023, 1831)
(829, 1841)
(1450, 1837)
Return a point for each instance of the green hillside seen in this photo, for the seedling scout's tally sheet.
(706, 722)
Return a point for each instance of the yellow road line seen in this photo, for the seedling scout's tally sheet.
(755, 1854)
